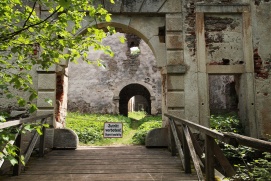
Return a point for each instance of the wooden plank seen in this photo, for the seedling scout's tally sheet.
(53, 167)
(42, 140)
(187, 163)
(21, 121)
(250, 142)
(177, 141)
(223, 161)
(209, 158)
(172, 144)
(193, 153)
(200, 128)
(17, 168)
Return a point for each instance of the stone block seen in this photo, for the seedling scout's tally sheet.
(159, 50)
(41, 112)
(175, 99)
(176, 69)
(152, 6)
(175, 57)
(113, 8)
(174, 40)
(49, 138)
(146, 27)
(174, 22)
(120, 21)
(65, 139)
(171, 7)
(47, 81)
(175, 82)
(132, 6)
(157, 138)
(177, 113)
(42, 96)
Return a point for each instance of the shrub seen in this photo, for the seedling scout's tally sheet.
(148, 124)
(89, 127)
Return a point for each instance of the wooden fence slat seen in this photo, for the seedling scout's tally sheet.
(186, 149)
(195, 159)
(177, 141)
(42, 142)
(17, 167)
(172, 143)
(209, 158)
(224, 162)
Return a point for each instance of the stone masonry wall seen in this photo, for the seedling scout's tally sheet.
(92, 88)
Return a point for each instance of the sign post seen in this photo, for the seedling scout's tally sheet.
(113, 130)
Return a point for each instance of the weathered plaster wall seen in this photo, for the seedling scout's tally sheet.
(92, 88)
(262, 64)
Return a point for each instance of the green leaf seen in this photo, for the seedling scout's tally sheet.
(122, 39)
(33, 108)
(49, 101)
(64, 3)
(12, 160)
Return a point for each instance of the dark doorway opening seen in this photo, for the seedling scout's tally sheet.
(128, 92)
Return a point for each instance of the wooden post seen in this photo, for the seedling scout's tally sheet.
(186, 153)
(17, 168)
(172, 143)
(42, 142)
(209, 158)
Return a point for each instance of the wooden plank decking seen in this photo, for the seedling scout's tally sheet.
(105, 163)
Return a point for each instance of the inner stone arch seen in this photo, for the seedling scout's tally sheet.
(128, 92)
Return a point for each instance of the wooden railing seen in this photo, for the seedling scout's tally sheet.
(188, 147)
(18, 139)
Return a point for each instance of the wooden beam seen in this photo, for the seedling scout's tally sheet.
(177, 141)
(195, 159)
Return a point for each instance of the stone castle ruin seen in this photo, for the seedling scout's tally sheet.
(197, 44)
(108, 89)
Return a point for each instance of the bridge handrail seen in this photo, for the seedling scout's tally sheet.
(18, 139)
(188, 146)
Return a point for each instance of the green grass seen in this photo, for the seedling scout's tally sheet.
(137, 115)
(89, 128)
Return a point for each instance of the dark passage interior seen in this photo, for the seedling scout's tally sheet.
(129, 91)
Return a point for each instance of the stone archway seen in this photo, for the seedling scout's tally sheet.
(128, 92)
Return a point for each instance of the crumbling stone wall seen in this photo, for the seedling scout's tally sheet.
(262, 60)
(92, 88)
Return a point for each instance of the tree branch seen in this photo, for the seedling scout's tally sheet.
(33, 8)
(8, 36)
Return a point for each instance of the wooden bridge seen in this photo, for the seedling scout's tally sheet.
(105, 163)
(133, 162)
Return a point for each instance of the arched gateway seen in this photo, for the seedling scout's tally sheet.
(190, 42)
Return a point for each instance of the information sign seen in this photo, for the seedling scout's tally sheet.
(112, 130)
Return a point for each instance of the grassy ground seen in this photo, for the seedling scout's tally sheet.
(89, 127)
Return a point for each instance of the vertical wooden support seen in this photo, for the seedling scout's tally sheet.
(42, 141)
(17, 168)
(187, 164)
(172, 143)
(209, 158)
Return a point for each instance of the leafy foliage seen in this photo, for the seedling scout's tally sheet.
(147, 124)
(8, 151)
(89, 127)
(226, 123)
(137, 115)
(29, 39)
(248, 165)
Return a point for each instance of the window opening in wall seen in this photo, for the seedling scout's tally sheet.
(224, 103)
(133, 42)
(223, 94)
(134, 50)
